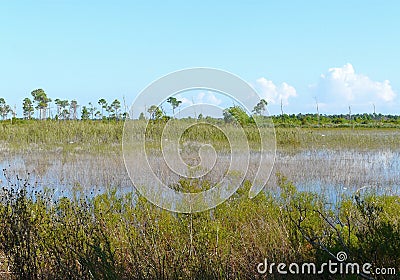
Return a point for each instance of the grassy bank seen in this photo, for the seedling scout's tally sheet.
(106, 136)
(48, 135)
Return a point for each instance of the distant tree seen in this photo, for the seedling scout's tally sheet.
(42, 101)
(57, 101)
(237, 113)
(98, 114)
(92, 110)
(115, 109)
(14, 112)
(73, 109)
(63, 111)
(103, 103)
(141, 116)
(4, 109)
(260, 108)
(110, 111)
(155, 112)
(27, 108)
(85, 113)
(174, 103)
(125, 115)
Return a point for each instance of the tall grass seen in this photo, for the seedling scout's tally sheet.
(46, 135)
(103, 136)
(111, 236)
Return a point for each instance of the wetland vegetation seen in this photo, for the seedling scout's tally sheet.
(69, 211)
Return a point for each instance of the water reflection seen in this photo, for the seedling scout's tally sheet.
(328, 172)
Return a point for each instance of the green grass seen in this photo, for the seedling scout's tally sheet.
(103, 136)
(98, 136)
(112, 236)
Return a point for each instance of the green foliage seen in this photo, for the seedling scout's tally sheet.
(361, 228)
(370, 230)
(27, 108)
(114, 109)
(327, 121)
(174, 103)
(85, 113)
(41, 100)
(122, 236)
(103, 103)
(155, 112)
(5, 109)
(237, 114)
(260, 108)
(62, 109)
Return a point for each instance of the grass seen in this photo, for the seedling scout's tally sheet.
(33, 135)
(103, 136)
(338, 138)
(111, 236)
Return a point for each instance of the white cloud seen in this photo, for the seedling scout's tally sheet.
(273, 93)
(199, 98)
(185, 101)
(343, 84)
(212, 99)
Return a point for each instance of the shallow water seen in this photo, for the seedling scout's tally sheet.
(328, 172)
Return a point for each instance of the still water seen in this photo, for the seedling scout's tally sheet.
(329, 172)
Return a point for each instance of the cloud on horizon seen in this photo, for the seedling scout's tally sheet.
(343, 86)
(272, 93)
(201, 97)
(335, 90)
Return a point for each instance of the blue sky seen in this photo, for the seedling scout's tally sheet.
(342, 52)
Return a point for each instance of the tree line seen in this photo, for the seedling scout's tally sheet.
(68, 109)
(71, 110)
(65, 109)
